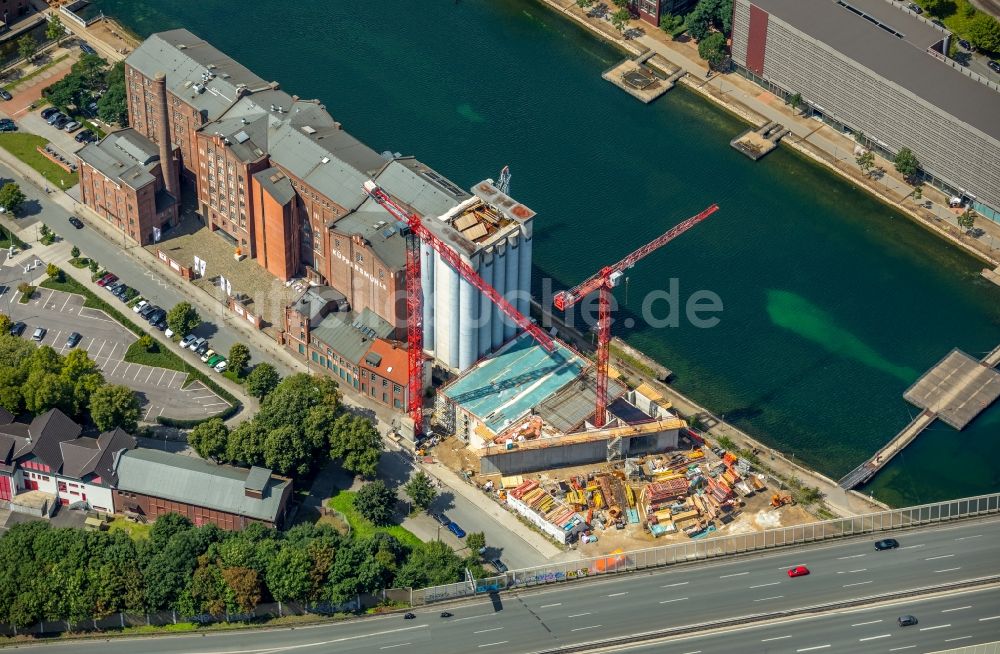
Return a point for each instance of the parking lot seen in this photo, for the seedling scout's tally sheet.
(105, 341)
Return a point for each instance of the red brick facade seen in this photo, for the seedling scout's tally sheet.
(154, 507)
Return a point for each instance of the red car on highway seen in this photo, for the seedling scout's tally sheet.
(798, 571)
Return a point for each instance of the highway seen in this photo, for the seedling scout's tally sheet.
(576, 614)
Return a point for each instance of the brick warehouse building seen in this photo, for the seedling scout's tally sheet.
(874, 67)
(277, 178)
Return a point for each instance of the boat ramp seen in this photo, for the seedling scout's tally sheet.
(646, 77)
(755, 143)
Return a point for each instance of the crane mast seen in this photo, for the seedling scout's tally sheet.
(603, 281)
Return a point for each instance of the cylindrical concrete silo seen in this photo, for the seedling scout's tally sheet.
(446, 309)
(427, 285)
(513, 252)
(485, 305)
(524, 273)
(468, 333)
(500, 284)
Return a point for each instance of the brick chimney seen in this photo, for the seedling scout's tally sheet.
(167, 163)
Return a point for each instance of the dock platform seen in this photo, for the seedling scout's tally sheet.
(646, 77)
(992, 275)
(755, 143)
(956, 390)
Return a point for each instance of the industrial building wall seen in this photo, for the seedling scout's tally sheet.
(518, 461)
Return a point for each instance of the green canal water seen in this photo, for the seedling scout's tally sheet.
(833, 303)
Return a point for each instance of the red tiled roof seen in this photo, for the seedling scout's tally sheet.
(394, 361)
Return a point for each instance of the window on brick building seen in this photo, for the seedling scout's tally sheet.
(396, 388)
(302, 348)
(360, 258)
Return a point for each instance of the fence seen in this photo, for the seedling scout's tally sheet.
(696, 550)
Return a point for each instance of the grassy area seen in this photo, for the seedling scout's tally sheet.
(79, 262)
(959, 20)
(632, 362)
(26, 294)
(22, 145)
(361, 527)
(137, 531)
(7, 238)
(35, 73)
(160, 358)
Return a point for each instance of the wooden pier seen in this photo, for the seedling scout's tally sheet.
(646, 77)
(755, 143)
(956, 390)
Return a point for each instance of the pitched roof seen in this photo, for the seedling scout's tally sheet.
(389, 360)
(125, 156)
(193, 481)
(276, 184)
(86, 456)
(47, 433)
(351, 340)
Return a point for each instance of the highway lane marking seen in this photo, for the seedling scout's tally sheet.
(767, 640)
(992, 617)
(773, 583)
(697, 651)
(957, 608)
(789, 567)
(578, 615)
(593, 626)
(910, 547)
(940, 626)
(502, 642)
(861, 640)
(949, 569)
(469, 617)
(859, 583)
(948, 640)
(861, 624)
(483, 631)
(680, 583)
(549, 606)
(618, 594)
(764, 599)
(968, 537)
(735, 574)
(943, 556)
(896, 649)
(678, 599)
(287, 648)
(847, 572)
(399, 645)
(853, 556)
(809, 649)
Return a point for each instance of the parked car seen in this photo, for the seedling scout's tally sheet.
(87, 48)
(107, 279)
(201, 349)
(146, 310)
(887, 544)
(72, 126)
(208, 354)
(76, 222)
(5, 94)
(140, 305)
(196, 343)
(73, 339)
(7, 125)
(455, 529)
(61, 122)
(994, 66)
(157, 315)
(965, 44)
(188, 340)
(798, 571)
(214, 360)
(111, 288)
(441, 518)
(500, 566)
(906, 620)
(915, 8)
(39, 334)
(48, 112)
(51, 120)
(220, 366)
(121, 291)
(17, 328)
(83, 136)
(160, 324)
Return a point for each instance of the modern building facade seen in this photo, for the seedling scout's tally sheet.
(874, 67)
(123, 180)
(279, 180)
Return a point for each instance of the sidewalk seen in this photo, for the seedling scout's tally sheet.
(814, 139)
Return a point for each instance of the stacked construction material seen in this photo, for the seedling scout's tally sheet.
(553, 516)
(661, 494)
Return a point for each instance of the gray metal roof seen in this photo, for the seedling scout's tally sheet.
(194, 481)
(125, 156)
(574, 403)
(315, 303)
(277, 185)
(351, 339)
(379, 228)
(899, 60)
(257, 479)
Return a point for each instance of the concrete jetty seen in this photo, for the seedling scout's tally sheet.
(755, 143)
(646, 77)
(992, 275)
(956, 390)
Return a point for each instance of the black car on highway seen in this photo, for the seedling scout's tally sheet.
(887, 544)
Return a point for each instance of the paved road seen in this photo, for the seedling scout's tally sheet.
(576, 614)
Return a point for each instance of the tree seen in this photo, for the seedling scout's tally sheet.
(709, 14)
(984, 32)
(244, 586)
(376, 502)
(54, 31)
(5, 324)
(146, 342)
(44, 230)
(46, 391)
(112, 107)
(53, 271)
(620, 19)
(288, 575)
(209, 439)
(356, 442)
(114, 406)
(907, 164)
(475, 541)
(183, 318)
(584, 4)
(261, 380)
(421, 490)
(286, 451)
(795, 100)
(712, 49)
(239, 358)
(621, 4)
(27, 46)
(865, 161)
(967, 220)
(671, 24)
(430, 565)
(75, 252)
(93, 266)
(11, 197)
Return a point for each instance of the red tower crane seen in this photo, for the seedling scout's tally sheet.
(415, 297)
(603, 281)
